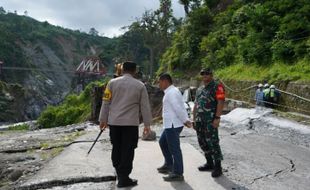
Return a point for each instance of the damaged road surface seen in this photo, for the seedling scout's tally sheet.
(50, 158)
(74, 169)
(261, 151)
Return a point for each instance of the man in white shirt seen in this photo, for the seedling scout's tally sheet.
(174, 118)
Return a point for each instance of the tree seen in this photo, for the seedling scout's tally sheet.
(26, 13)
(151, 36)
(164, 18)
(2, 11)
(93, 32)
(212, 3)
(190, 5)
(195, 4)
(131, 44)
(185, 3)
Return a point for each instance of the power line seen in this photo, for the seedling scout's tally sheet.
(36, 69)
(46, 70)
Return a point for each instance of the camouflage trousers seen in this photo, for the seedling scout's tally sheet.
(208, 140)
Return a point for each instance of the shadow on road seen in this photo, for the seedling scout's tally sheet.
(181, 186)
(228, 184)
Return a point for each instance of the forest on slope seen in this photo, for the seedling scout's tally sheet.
(243, 40)
(26, 43)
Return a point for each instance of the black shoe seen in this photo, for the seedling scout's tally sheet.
(209, 166)
(206, 167)
(174, 177)
(164, 169)
(127, 183)
(217, 172)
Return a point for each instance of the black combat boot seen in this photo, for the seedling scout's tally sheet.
(127, 182)
(217, 172)
(209, 166)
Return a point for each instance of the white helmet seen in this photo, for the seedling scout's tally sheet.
(272, 86)
(266, 85)
(260, 85)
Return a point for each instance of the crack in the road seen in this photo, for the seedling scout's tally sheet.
(292, 164)
(258, 178)
(278, 172)
(292, 168)
(65, 182)
(12, 151)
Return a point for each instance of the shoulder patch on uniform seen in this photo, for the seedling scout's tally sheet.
(107, 95)
(220, 92)
(220, 88)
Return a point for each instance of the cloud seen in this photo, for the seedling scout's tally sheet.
(107, 16)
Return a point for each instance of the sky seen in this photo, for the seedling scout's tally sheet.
(106, 16)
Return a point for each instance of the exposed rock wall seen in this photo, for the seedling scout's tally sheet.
(12, 98)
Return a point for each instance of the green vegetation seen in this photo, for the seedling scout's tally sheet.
(56, 151)
(44, 145)
(74, 109)
(300, 71)
(73, 136)
(147, 38)
(21, 127)
(20, 33)
(9, 101)
(241, 39)
(246, 40)
(51, 153)
(216, 33)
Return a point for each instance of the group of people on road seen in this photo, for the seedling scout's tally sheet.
(267, 96)
(125, 97)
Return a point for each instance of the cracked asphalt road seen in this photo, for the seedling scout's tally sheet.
(255, 161)
(259, 153)
(263, 155)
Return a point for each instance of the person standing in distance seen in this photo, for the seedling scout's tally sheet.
(124, 98)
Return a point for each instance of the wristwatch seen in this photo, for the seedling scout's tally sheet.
(217, 117)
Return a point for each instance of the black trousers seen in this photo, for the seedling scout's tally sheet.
(124, 140)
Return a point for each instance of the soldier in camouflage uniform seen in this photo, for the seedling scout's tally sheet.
(208, 108)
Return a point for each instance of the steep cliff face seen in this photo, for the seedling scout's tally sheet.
(40, 59)
(11, 100)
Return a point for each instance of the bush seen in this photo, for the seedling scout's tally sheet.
(21, 127)
(75, 109)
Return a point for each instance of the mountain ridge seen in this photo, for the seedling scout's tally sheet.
(45, 58)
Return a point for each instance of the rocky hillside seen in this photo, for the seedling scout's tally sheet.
(46, 57)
